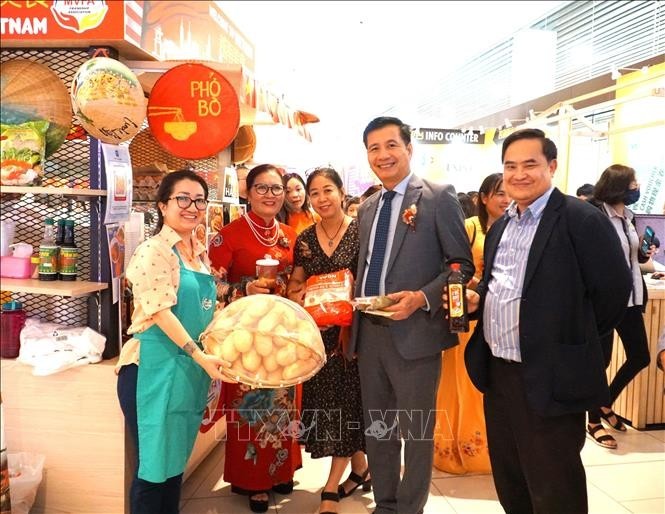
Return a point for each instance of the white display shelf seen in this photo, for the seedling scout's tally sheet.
(64, 191)
(52, 288)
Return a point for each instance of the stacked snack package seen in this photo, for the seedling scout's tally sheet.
(328, 298)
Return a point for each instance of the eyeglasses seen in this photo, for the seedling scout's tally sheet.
(185, 201)
(275, 189)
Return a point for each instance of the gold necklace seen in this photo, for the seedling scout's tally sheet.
(188, 255)
(331, 240)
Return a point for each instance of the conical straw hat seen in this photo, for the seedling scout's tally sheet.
(32, 92)
(244, 144)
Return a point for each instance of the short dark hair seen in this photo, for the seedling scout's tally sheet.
(613, 184)
(352, 200)
(166, 187)
(384, 121)
(549, 148)
(370, 191)
(329, 173)
(585, 190)
(256, 171)
(468, 207)
(489, 187)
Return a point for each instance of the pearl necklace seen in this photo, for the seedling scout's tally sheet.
(266, 240)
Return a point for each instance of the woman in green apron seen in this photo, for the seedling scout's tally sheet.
(163, 399)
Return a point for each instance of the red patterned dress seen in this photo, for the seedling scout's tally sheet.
(260, 451)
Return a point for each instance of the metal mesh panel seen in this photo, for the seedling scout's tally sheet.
(69, 166)
(145, 151)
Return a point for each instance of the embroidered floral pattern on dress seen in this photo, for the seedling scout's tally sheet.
(268, 412)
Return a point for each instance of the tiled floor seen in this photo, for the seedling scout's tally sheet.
(631, 479)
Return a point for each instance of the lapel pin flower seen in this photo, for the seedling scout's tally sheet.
(409, 216)
(283, 241)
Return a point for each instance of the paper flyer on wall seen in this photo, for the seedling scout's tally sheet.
(115, 235)
(118, 166)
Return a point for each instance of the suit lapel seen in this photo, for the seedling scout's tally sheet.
(545, 227)
(365, 229)
(411, 196)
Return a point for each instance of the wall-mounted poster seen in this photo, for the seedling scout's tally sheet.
(115, 234)
(236, 211)
(118, 167)
(214, 219)
(230, 194)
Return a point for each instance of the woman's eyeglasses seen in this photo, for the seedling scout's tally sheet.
(185, 201)
(275, 189)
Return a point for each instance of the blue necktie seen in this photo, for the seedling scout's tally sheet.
(379, 249)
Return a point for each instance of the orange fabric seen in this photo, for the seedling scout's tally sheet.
(300, 220)
(460, 438)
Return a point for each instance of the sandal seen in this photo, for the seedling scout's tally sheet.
(618, 425)
(331, 497)
(285, 488)
(359, 481)
(258, 505)
(606, 441)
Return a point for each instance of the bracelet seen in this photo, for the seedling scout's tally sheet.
(190, 347)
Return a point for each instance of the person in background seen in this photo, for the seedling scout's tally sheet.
(467, 204)
(296, 211)
(331, 404)
(554, 281)
(369, 192)
(615, 190)
(260, 453)
(163, 398)
(351, 206)
(585, 192)
(410, 232)
(474, 198)
(460, 438)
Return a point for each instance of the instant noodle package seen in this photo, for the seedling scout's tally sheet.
(270, 341)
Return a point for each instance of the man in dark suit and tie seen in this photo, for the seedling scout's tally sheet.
(410, 232)
(555, 280)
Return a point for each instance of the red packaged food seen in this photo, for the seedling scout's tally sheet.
(328, 298)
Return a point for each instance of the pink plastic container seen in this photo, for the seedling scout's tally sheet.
(15, 267)
(12, 321)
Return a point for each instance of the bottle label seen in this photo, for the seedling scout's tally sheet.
(48, 260)
(456, 300)
(68, 260)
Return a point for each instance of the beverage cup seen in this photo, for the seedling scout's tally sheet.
(266, 273)
(6, 236)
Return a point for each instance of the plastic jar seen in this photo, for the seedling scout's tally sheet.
(12, 321)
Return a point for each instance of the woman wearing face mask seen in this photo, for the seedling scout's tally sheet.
(261, 453)
(460, 439)
(163, 380)
(616, 189)
(297, 211)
